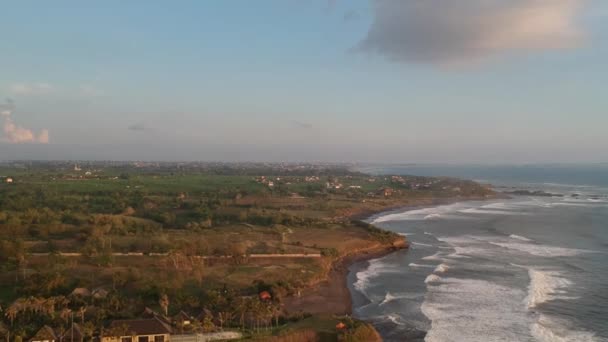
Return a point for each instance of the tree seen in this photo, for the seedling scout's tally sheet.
(81, 312)
(208, 325)
(163, 301)
(11, 313)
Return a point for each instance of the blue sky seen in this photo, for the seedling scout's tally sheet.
(357, 80)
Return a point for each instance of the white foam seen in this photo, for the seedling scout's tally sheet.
(432, 278)
(466, 246)
(490, 212)
(414, 265)
(541, 250)
(441, 268)
(458, 240)
(389, 297)
(519, 237)
(550, 329)
(465, 253)
(421, 244)
(419, 214)
(499, 205)
(394, 318)
(374, 269)
(545, 286)
(436, 256)
(475, 310)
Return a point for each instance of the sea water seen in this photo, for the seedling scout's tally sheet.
(527, 268)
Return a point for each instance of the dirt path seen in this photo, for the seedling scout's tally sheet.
(254, 256)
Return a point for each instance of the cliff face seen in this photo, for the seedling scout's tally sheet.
(401, 243)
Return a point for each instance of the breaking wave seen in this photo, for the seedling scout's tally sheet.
(497, 314)
(442, 268)
(432, 278)
(519, 237)
(541, 250)
(545, 286)
(412, 264)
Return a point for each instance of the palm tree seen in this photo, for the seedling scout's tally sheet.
(11, 313)
(65, 314)
(164, 303)
(48, 306)
(81, 312)
(241, 310)
(224, 316)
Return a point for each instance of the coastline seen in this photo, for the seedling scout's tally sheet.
(332, 296)
(419, 203)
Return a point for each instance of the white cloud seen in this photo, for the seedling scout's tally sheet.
(15, 134)
(31, 88)
(451, 32)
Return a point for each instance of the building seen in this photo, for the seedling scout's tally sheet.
(8, 180)
(45, 334)
(99, 293)
(138, 330)
(386, 192)
(72, 334)
(81, 292)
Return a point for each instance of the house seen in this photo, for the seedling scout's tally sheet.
(265, 295)
(182, 319)
(183, 322)
(137, 330)
(45, 334)
(73, 333)
(386, 192)
(99, 293)
(81, 292)
(205, 314)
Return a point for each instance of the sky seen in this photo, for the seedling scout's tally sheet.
(427, 81)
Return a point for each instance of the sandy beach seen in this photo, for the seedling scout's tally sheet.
(332, 296)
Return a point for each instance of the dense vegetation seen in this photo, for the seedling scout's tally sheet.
(182, 237)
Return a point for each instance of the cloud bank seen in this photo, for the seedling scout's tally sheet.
(31, 88)
(15, 134)
(452, 32)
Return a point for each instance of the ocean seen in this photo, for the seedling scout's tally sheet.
(526, 268)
